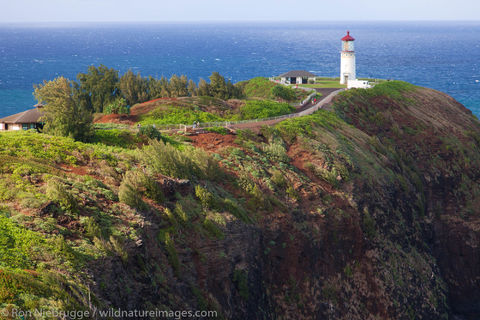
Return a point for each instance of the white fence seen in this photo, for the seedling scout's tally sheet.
(230, 124)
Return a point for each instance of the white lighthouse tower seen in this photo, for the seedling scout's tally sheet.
(347, 63)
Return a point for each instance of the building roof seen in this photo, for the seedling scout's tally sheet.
(298, 74)
(348, 37)
(28, 116)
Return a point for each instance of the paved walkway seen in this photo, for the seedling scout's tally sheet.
(306, 111)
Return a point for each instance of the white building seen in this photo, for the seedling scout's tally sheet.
(297, 77)
(347, 63)
(364, 84)
(348, 73)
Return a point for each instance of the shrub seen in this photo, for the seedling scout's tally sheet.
(205, 197)
(290, 129)
(232, 207)
(166, 239)
(292, 193)
(161, 158)
(118, 246)
(259, 87)
(92, 229)
(150, 131)
(116, 137)
(219, 130)
(57, 191)
(278, 178)
(129, 191)
(276, 151)
(118, 106)
(18, 245)
(213, 229)
(153, 190)
(284, 93)
(167, 114)
(137, 184)
(257, 109)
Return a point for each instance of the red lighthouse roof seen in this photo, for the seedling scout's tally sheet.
(348, 37)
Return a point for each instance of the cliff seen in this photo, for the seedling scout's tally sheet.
(368, 210)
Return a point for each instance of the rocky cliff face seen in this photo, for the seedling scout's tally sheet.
(367, 211)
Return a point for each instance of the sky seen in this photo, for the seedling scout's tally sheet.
(27, 11)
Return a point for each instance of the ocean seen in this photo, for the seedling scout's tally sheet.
(440, 55)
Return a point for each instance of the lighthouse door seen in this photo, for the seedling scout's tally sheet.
(345, 79)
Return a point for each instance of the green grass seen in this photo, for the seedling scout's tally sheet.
(258, 109)
(176, 115)
(325, 83)
(263, 88)
(259, 88)
(219, 130)
(303, 126)
(116, 137)
(106, 126)
(24, 144)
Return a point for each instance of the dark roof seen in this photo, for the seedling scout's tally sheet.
(298, 74)
(28, 116)
(348, 37)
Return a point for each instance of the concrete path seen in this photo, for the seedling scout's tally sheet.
(309, 110)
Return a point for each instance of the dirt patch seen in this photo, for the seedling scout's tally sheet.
(213, 141)
(117, 118)
(299, 158)
(80, 171)
(146, 107)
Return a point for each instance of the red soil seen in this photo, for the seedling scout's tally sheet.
(82, 171)
(117, 118)
(146, 107)
(213, 141)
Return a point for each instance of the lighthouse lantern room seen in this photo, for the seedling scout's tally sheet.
(347, 64)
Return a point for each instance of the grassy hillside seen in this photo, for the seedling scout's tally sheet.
(187, 111)
(350, 213)
(262, 88)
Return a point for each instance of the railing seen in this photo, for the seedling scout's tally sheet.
(228, 124)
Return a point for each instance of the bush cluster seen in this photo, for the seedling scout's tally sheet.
(150, 132)
(135, 185)
(119, 106)
(57, 191)
(284, 92)
(259, 109)
(191, 163)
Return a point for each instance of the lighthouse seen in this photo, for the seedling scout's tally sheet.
(347, 63)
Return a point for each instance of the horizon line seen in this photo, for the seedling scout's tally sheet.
(235, 21)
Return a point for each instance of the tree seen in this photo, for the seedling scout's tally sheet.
(154, 88)
(178, 86)
(234, 91)
(203, 88)
(192, 88)
(63, 113)
(165, 87)
(218, 86)
(134, 88)
(99, 87)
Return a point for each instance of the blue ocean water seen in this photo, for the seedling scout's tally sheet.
(439, 55)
